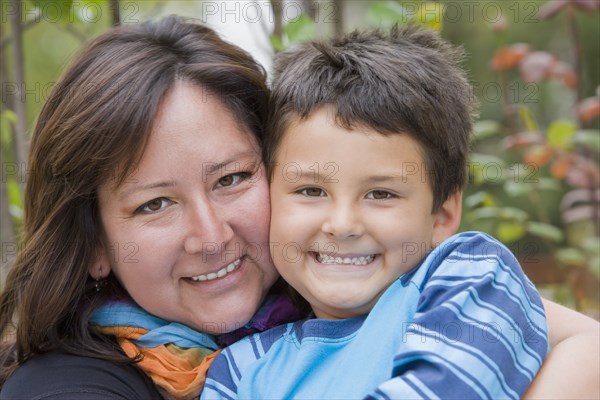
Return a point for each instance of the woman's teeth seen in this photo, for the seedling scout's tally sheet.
(220, 273)
(325, 259)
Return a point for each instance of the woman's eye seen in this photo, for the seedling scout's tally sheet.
(233, 179)
(379, 195)
(154, 205)
(312, 192)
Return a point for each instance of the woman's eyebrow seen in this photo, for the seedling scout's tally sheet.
(139, 188)
(213, 167)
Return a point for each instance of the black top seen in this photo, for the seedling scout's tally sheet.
(61, 376)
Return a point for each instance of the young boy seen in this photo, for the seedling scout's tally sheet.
(367, 151)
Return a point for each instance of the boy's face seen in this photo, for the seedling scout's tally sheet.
(351, 212)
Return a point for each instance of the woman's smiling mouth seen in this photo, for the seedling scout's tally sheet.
(220, 273)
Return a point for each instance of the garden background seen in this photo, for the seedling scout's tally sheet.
(535, 69)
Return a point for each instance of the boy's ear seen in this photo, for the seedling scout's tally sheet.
(447, 218)
(100, 267)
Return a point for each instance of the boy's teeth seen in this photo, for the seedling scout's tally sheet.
(219, 274)
(326, 259)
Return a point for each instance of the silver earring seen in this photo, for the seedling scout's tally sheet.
(100, 282)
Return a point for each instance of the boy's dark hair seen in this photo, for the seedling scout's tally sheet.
(406, 81)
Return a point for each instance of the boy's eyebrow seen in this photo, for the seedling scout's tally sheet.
(391, 177)
(321, 176)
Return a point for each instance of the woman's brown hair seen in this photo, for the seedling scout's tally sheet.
(92, 129)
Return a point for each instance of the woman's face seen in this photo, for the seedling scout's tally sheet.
(187, 233)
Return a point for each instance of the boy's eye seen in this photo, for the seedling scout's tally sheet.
(312, 192)
(379, 195)
(233, 179)
(153, 205)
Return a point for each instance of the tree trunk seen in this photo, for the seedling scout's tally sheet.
(20, 131)
(115, 9)
(277, 18)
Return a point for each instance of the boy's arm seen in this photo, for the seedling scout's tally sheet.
(221, 382)
(572, 368)
(479, 330)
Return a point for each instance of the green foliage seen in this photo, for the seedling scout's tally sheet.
(560, 133)
(15, 194)
(300, 30)
(388, 13)
(562, 155)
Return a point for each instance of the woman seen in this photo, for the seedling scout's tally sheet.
(146, 184)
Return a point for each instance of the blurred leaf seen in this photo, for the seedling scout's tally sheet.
(528, 120)
(591, 245)
(578, 231)
(505, 213)
(545, 231)
(588, 109)
(519, 172)
(589, 138)
(570, 256)
(594, 266)
(560, 133)
(55, 11)
(388, 13)
(515, 189)
(548, 184)
(431, 15)
(509, 57)
(485, 168)
(486, 128)
(512, 213)
(485, 159)
(277, 43)
(520, 188)
(15, 198)
(523, 139)
(301, 30)
(508, 232)
(7, 117)
(479, 199)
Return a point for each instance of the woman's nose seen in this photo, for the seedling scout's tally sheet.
(208, 230)
(343, 221)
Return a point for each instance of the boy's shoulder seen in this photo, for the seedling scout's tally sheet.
(234, 360)
(255, 346)
(466, 255)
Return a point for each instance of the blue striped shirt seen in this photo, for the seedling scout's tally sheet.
(466, 323)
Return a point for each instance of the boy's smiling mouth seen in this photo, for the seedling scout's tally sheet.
(344, 259)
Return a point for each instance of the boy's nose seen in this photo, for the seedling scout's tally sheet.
(206, 228)
(343, 222)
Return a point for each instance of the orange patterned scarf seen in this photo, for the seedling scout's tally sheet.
(174, 356)
(180, 372)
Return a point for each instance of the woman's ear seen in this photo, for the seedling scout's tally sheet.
(447, 218)
(100, 267)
